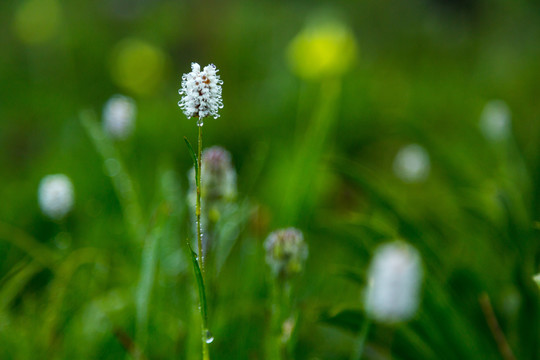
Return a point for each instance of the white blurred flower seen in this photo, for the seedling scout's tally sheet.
(55, 196)
(411, 164)
(119, 116)
(536, 279)
(201, 92)
(218, 178)
(495, 121)
(218, 188)
(394, 280)
(218, 175)
(286, 251)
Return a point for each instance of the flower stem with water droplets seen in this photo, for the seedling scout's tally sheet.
(198, 205)
(200, 258)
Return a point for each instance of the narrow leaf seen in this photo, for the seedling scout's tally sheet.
(348, 319)
(194, 158)
(356, 276)
(200, 284)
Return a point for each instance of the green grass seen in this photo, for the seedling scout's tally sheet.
(115, 280)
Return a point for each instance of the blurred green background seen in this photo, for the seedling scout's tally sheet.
(319, 97)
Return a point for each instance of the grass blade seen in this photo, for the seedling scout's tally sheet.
(200, 285)
(194, 158)
(121, 180)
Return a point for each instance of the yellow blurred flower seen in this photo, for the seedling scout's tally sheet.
(322, 49)
(37, 21)
(138, 66)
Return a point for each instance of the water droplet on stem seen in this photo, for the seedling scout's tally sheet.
(209, 337)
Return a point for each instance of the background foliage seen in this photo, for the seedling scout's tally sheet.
(311, 153)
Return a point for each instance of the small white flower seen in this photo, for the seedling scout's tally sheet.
(411, 164)
(495, 121)
(201, 92)
(286, 252)
(218, 187)
(119, 116)
(394, 280)
(55, 196)
(218, 179)
(536, 279)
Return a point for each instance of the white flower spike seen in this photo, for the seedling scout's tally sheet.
(119, 116)
(55, 196)
(201, 92)
(412, 164)
(395, 278)
(496, 121)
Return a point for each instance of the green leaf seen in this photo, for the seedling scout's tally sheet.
(228, 228)
(12, 286)
(200, 284)
(356, 276)
(348, 319)
(146, 283)
(194, 158)
(123, 184)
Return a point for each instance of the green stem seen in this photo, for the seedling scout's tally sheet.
(278, 342)
(198, 205)
(361, 342)
(117, 172)
(273, 348)
(200, 260)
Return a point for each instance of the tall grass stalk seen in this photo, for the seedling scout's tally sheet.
(361, 341)
(121, 181)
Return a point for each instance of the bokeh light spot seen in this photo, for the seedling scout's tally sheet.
(37, 21)
(138, 66)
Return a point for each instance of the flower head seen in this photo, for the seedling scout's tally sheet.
(201, 92)
(395, 276)
(55, 196)
(496, 121)
(218, 188)
(218, 175)
(536, 279)
(412, 164)
(119, 116)
(286, 251)
(218, 178)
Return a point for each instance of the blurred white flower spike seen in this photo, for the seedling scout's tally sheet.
(412, 164)
(394, 282)
(119, 115)
(201, 93)
(218, 180)
(496, 121)
(56, 196)
(286, 252)
(218, 187)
